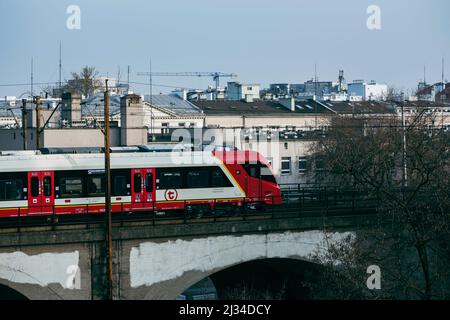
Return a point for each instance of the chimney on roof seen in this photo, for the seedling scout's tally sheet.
(71, 107)
(288, 103)
(132, 131)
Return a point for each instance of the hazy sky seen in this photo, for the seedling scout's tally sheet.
(262, 41)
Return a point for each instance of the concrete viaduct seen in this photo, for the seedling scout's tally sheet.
(155, 261)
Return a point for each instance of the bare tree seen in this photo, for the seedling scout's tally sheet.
(407, 169)
(85, 82)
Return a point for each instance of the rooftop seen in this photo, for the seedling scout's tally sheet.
(173, 103)
(255, 108)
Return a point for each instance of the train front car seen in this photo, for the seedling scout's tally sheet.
(253, 173)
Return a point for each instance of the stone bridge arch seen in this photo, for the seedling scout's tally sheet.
(19, 291)
(164, 270)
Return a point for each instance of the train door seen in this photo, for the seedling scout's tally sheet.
(143, 188)
(41, 194)
(253, 183)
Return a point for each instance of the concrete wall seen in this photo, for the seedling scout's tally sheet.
(59, 272)
(163, 270)
(11, 139)
(146, 269)
(79, 137)
(154, 262)
(265, 121)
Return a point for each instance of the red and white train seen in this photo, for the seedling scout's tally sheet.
(61, 184)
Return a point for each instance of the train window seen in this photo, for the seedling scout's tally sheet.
(253, 170)
(11, 190)
(137, 182)
(119, 186)
(259, 170)
(71, 187)
(266, 174)
(197, 179)
(34, 186)
(47, 186)
(149, 182)
(170, 180)
(219, 179)
(96, 185)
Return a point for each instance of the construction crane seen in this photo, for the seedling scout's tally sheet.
(215, 75)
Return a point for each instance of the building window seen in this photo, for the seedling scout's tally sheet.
(286, 145)
(320, 164)
(302, 165)
(286, 165)
(181, 124)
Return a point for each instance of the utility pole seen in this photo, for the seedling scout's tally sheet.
(405, 169)
(24, 123)
(108, 196)
(37, 100)
(315, 96)
(442, 93)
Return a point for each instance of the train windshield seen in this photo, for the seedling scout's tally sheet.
(259, 170)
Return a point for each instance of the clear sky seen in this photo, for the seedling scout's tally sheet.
(262, 41)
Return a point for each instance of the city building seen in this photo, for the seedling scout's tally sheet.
(283, 130)
(444, 95)
(368, 91)
(238, 91)
(281, 90)
(429, 92)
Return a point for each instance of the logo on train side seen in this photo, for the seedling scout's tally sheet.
(171, 194)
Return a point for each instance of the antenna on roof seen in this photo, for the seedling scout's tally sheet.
(31, 92)
(315, 79)
(424, 73)
(128, 79)
(60, 67)
(118, 76)
(151, 82)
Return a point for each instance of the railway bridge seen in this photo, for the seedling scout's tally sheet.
(160, 257)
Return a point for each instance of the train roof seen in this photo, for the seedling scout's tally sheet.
(29, 161)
